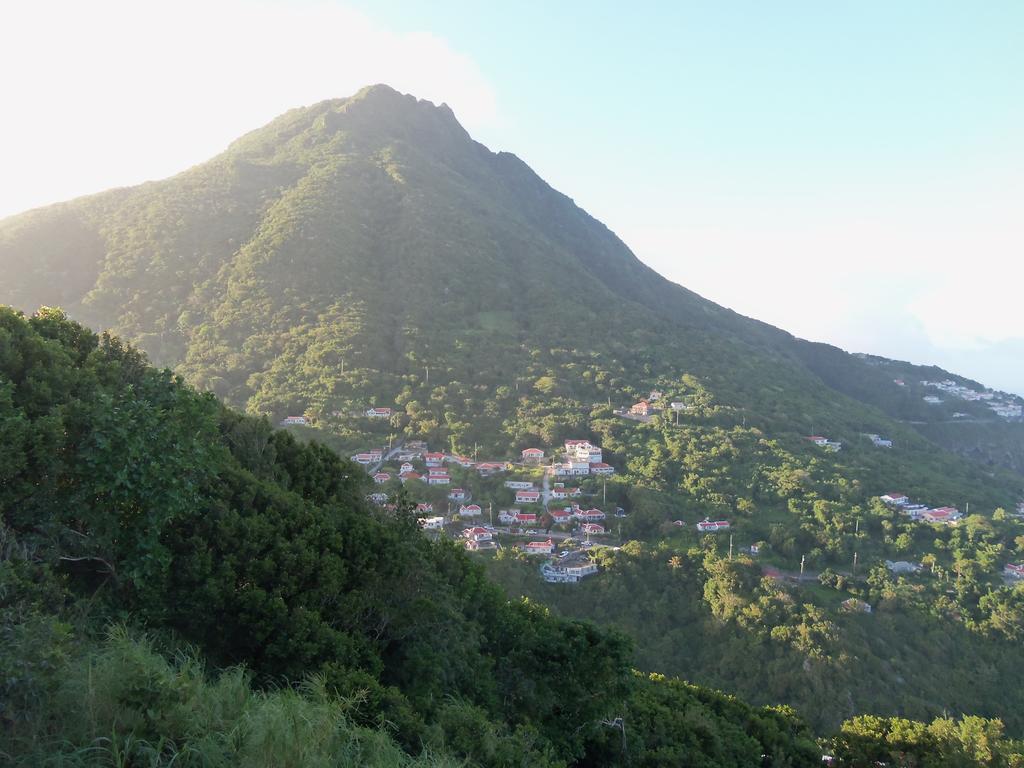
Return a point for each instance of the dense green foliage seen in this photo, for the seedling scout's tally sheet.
(366, 252)
(128, 496)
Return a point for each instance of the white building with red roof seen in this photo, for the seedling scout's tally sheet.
(1014, 570)
(593, 529)
(439, 479)
(526, 518)
(407, 476)
(710, 526)
(643, 408)
(470, 510)
(381, 477)
(457, 494)
(600, 468)
(539, 547)
(942, 515)
(379, 413)
(527, 497)
(532, 454)
(433, 459)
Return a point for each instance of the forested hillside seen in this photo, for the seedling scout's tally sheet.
(130, 500)
(151, 537)
(366, 252)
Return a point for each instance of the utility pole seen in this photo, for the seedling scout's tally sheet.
(427, 380)
(490, 511)
(854, 563)
(803, 559)
(343, 365)
(604, 492)
(856, 529)
(730, 546)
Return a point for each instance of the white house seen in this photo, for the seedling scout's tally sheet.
(379, 413)
(643, 408)
(600, 468)
(570, 570)
(381, 477)
(899, 567)
(457, 494)
(945, 515)
(572, 469)
(434, 459)
(526, 518)
(406, 467)
(431, 523)
(425, 508)
(1014, 571)
(594, 529)
(507, 516)
(588, 515)
(527, 497)
(532, 454)
(898, 499)
(378, 498)
(561, 516)
(470, 510)
(407, 476)
(519, 485)
(289, 421)
(438, 480)
(710, 526)
(539, 547)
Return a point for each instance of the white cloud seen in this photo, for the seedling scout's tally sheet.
(113, 92)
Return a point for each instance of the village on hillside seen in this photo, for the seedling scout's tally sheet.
(551, 503)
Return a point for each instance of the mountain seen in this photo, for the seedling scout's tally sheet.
(367, 252)
(367, 249)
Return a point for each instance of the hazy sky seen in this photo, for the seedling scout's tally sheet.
(852, 172)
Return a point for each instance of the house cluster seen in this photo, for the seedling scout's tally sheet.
(1003, 405)
(824, 442)
(569, 568)
(878, 441)
(922, 512)
(582, 458)
(644, 409)
(437, 464)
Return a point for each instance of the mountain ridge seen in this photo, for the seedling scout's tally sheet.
(332, 211)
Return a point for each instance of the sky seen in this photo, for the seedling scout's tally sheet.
(851, 172)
